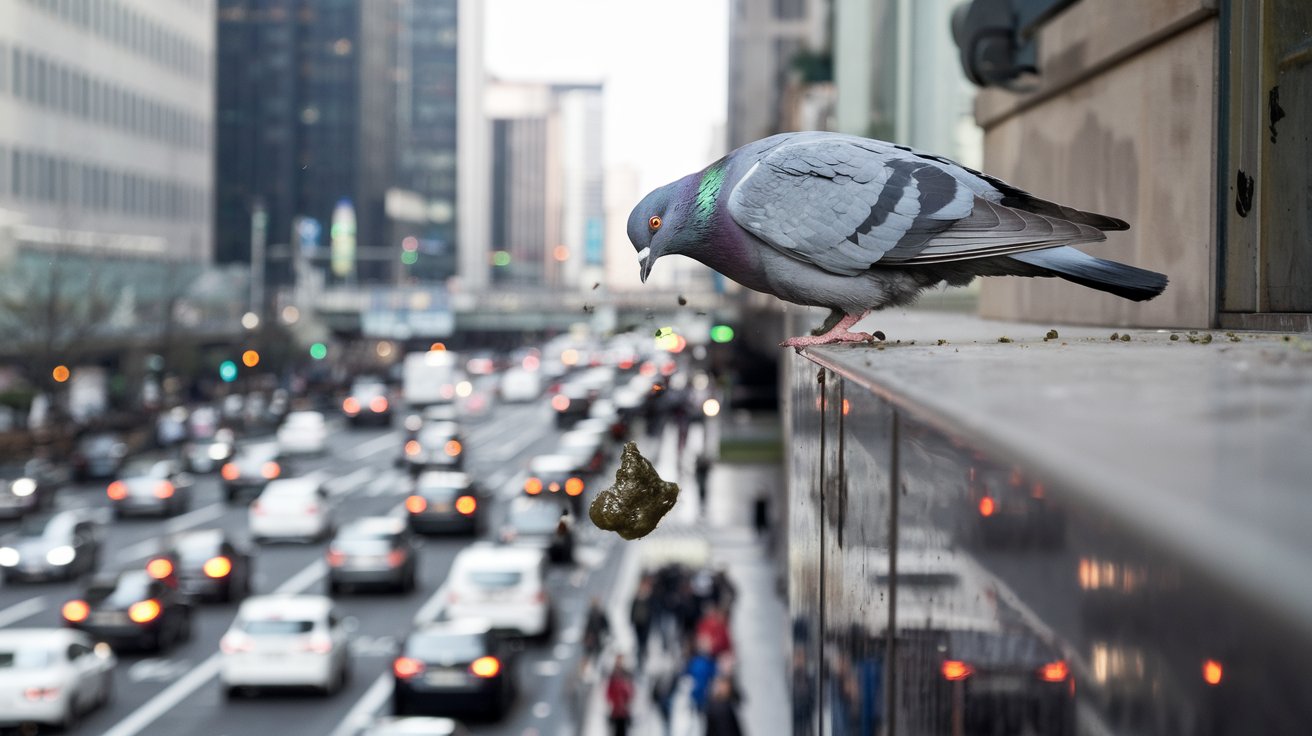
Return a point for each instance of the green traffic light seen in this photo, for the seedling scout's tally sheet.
(501, 258)
(721, 333)
(409, 257)
(318, 351)
(228, 371)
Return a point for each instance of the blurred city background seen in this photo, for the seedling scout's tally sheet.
(354, 273)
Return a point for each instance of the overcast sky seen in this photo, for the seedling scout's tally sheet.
(664, 64)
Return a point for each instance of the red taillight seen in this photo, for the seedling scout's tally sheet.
(117, 491)
(159, 568)
(540, 596)
(452, 448)
(533, 486)
(560, 402)
(396, 558)
(406, 667)
(574, 486)
(217, 567)
(987, 506)
(270, 470)
(1054, 671)
(257, 509)
(164, 490)
(351, 405)
(416, 504)
(336, 558)
(378, 404)
(230, 471)
(466, 505)
(312, 510)
(554, 487)
(412, 447)
(143, 612)
(235, 642)
(1212, 672)
(41, 693)
(75, 611)
(485, 667)
(319, 644)
(956, 670)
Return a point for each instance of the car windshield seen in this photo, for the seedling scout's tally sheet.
(37, 526)
(445, 648)
(130, 588)
(440, 494)
(365, 545)
(12, 470)
(535, 517)
(197, 547)
(146, 469)
(25, 658)
(257, 453)
(486, 578)
(275, 627)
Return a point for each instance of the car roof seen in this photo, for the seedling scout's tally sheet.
(552, 464)
(522, 503)
(471, 625)
(444, 478)
(304, 415)
(39, 637)
(416, 725)
(372, 525)
(199, 537)
(487, 555)
(291, 486)
(450, 429)
(284, 606)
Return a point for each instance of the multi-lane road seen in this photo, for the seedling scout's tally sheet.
(176, 691)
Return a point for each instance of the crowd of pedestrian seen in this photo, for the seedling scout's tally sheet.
(682, 648)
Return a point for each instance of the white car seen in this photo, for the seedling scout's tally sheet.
(520, 384)
(285, 641)
(504, 584)
(52, 676)
(303, 433)
(291, 508)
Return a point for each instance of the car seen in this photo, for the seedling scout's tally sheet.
(210, 565)
(541, 522)
(208, 454)
(442, 501)
(29, 486)
(285, 641)
(368, 402)
(587, 447)
(56, 545)
(414, 726)
(556, 475)
(98, 455)
(505, 584)
(374, 550)
(291, 508)
(151, 486)
(454, 668)
(520, 385)
(303, 433)
(250, 470)
(437, 444)
(134, 608)
(571, 402)
(52, 677)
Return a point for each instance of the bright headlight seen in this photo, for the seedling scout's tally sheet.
(23, 487)
(218, 451)
(8, 556)
(61, 555)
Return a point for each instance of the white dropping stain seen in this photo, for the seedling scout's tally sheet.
(541, 709)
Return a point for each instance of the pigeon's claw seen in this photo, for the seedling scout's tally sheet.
(838, 332)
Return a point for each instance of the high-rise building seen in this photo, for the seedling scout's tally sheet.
(106, 111)
(307, 126)
(767, 40)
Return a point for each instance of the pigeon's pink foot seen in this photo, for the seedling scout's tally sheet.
(839, 333)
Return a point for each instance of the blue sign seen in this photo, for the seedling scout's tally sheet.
(308, 231)
(593, 240)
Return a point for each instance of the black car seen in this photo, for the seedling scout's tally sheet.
(541, 522)
(208, 454)
(29, 486)
(151, 486)
(374, 550)
(368, 403)
(436, 445)
(572, 403)
(60, 545)
(250, 469)
(98, 455)
(210, 565)
(134, 608)
(446, 502)
(454, 668)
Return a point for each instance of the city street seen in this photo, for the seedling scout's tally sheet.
(178, 691)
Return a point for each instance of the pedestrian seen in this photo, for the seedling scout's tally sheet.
(619, 695)
(641, 613)
(702, 470)
(724, 592)
(722, 710)
(701, 670)
(761, 515)
(596, 630)
(663, 687)
(714, 628)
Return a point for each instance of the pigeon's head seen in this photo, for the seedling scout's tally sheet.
(656, 227)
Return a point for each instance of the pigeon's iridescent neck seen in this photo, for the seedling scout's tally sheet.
(708, 191)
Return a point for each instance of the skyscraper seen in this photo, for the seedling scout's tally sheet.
(766, 40)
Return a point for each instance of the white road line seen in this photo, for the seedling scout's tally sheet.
(365, 708)
(427, 613)
(372, 446)
(169, 698)
(20, 611)
(515, 447)
(350, 482)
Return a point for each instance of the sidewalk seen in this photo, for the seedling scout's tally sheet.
(723, 536)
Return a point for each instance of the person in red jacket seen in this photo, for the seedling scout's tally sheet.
(619, 694)
(714, 627)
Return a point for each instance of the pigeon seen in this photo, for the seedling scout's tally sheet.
(856, 225)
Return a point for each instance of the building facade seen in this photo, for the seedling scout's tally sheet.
(768, 39)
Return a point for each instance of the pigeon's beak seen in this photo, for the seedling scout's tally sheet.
(644, 263)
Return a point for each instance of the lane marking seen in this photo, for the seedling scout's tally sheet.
(20, 611)
(427, 613)
(168, 699)
(364, 709)
(512, 450)
(366, 449)
(173, 526)
(348, 483)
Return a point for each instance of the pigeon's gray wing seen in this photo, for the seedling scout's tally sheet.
(844, 203)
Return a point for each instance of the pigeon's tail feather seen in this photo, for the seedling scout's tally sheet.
(1076, 266)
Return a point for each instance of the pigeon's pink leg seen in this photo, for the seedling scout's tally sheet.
(839, 333)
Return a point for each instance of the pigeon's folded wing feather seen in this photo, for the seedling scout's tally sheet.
(844, 204)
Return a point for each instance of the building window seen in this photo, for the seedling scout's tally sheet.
(790, 9)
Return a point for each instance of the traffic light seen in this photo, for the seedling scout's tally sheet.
(318, 351)
(228, 371)
(721, 334)
(250, 358)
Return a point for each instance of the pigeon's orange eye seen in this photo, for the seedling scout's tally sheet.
(654, 223)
